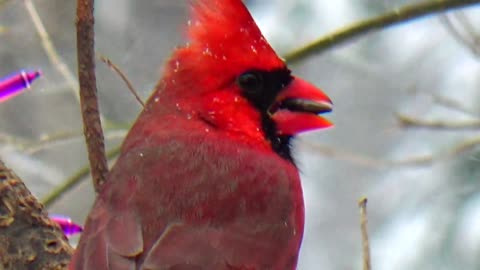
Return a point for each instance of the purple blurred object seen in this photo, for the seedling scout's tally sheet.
(14, 84)
(68, 227)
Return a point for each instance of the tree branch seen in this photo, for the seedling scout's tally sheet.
(412, 122)
(28, 238)
(72, 181)
(88, 92)
(392, 17)
(124, 78)
(52, 53)
(362, 204)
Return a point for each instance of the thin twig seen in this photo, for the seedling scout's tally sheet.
(395, 16)
(447, 22)
(468, 41)
(452, 104)
(52, 54)
(464, 146)
(73, 181)
(412, 122)
(12, 140)
(88, 92)
(470, 30)
(58, 139)
(31, 147)
(467, 24)
(362, 203)
(29, 239)
(117, 70)
(336, 153)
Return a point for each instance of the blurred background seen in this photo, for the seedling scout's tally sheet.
(421, 175)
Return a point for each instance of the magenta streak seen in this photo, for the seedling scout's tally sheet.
(67, 225)
(13, 85)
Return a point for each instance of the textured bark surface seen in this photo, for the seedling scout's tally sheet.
(28, 238)
(88, 92)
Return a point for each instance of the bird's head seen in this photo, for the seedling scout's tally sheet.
(230, 77)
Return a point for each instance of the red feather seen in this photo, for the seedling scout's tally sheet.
(204, 180)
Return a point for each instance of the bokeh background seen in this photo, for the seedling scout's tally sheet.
(422, 182)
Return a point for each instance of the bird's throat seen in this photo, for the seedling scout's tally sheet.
(234, 114)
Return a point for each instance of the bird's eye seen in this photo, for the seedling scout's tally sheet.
(250, 81)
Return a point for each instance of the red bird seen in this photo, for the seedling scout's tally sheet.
(205, 179)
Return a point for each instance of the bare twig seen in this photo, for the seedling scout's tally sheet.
(447, 22)
(464, 146)
(28, 238)
(88, 92)
(11, 140)
(397, 15)
(467, 36)
(411, 122)
(58, 139)
(73, 181)
(32, 147)
(335, 152)
(362, 203)
(452, 104)
(52, 54)
(117, 70)
(468, 26)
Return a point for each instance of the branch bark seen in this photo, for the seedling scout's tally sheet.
(28, 238)
(88, 92)
(367, 263)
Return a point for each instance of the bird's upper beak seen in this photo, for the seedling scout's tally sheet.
(297, 108)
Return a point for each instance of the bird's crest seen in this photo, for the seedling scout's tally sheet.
(224, 41)
(226, 27)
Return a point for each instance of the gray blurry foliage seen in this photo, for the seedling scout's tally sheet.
(421, 176)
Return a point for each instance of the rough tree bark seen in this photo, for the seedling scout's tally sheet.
(28, 238)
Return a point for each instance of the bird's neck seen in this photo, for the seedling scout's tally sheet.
(216, 116)
(232, 114)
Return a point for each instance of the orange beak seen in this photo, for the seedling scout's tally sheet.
(298, 106)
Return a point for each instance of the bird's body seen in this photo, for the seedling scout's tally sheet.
(205, 179)
(241, 213)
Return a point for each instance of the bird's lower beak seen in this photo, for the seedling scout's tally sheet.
(298, 106)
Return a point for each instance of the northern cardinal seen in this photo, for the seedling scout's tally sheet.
(205, 179)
